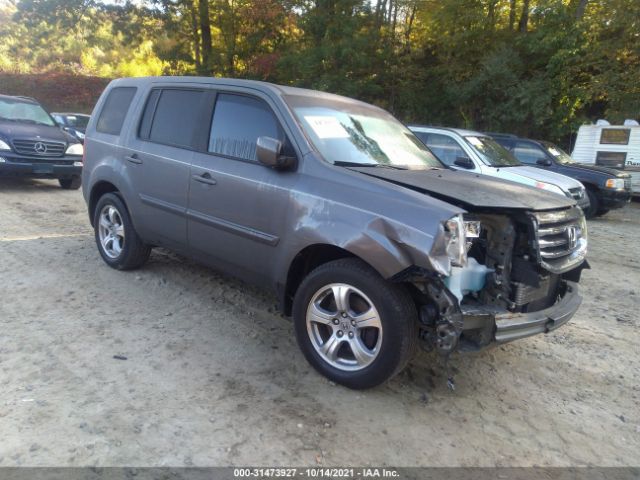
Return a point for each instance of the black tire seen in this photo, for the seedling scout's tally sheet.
(134, 252)
(397, 315)
(594, 204)
(601, 212)
(72, 183)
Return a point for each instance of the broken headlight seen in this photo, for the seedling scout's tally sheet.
(456, 241)
(459, 234)
(453, 242)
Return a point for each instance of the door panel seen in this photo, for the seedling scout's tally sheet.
(158, 158)
(238, 207)
(160, 176)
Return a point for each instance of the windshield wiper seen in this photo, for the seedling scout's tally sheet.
(340, 163)
(374, 165)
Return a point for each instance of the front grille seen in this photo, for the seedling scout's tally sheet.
(577, 193)
(627, 183)
(561, 239)
(39, 148)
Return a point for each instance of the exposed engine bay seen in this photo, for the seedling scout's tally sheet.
(515, 265)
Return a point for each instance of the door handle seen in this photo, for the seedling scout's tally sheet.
(205, 178)
(133, 158)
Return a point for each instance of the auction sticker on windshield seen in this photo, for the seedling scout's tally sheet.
(326, 127)
(475, 141)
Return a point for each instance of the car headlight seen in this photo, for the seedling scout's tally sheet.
(4, 145)
(615, 183)
(75, 149)
(550, 188)
(456, 241)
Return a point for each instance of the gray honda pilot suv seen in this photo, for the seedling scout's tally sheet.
(370, 243)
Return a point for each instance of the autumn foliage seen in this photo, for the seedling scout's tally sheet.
(56, 91)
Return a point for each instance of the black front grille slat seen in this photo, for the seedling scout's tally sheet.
(39, 148)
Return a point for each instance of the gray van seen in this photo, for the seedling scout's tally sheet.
(369, 242)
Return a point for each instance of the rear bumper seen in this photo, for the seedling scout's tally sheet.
(12, 165)
(615, 198)
(505, 326)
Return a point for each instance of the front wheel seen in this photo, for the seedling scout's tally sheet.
(353, 326)
(118, 242)
(594, 204)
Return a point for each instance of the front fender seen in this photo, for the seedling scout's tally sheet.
(389, 246)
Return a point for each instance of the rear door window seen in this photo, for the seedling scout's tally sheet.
(238, 121)
(115, 109)
(172, 116)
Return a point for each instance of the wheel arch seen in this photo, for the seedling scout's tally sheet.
(97, 191)
(306, 260)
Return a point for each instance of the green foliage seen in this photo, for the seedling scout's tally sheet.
(535, 67)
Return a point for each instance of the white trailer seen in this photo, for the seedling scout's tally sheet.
(613, 146)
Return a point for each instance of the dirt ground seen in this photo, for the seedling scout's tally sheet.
(209, 373)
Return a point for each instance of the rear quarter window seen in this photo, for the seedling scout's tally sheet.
(115, 109)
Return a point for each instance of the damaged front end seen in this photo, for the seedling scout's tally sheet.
(500, 277)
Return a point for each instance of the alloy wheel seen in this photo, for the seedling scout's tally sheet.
(111, 231)
(344, 327)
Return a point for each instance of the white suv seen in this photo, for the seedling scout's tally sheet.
(477, 152)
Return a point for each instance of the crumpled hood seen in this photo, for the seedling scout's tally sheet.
(12, 130)
(470, 189)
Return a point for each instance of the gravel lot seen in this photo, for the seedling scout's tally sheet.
(209, 373)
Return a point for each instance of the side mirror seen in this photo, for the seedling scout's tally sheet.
(545, 162)
(269, 153)
(464, 162)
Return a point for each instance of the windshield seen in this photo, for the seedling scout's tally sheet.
(492, 153)
(354, 134)
(24, 112)
(559, 154)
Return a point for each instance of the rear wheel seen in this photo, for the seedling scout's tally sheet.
(72, 183)
(118, 242)
(353, 326)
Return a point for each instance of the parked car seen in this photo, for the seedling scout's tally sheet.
(607, 188)
(611, 146)
(73, 123)
(477, 152)
(370, 244)
(32, 145)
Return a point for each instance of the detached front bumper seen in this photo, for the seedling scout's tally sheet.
(488, 327)
(12, 165)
